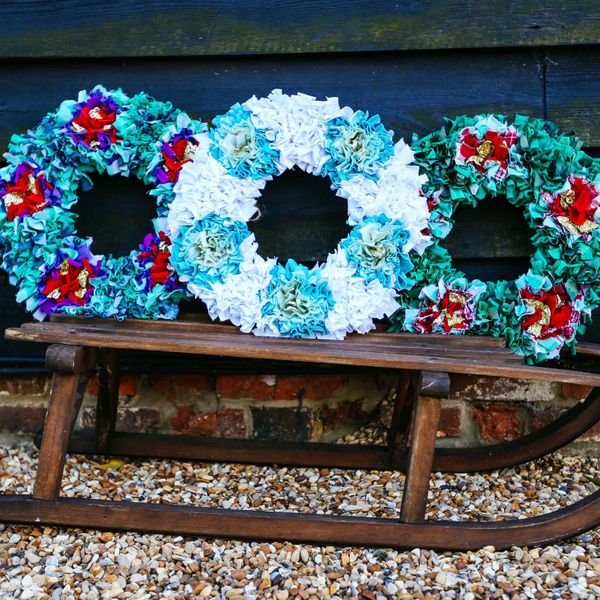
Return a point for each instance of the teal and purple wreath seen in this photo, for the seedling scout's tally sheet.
(101, 132)
(542, 171)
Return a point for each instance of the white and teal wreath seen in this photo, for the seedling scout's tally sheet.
(541, 170)
(100, 132)
(217, 257)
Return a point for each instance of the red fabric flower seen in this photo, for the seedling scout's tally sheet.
(493, 148)
(173, 162)
(449, 313)
(94, 126)
(69, 283)
(27, 194)
(575, 208)
(552, 313)
(159, 254)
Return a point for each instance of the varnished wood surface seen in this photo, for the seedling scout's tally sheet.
(326, 529)
(392, 356)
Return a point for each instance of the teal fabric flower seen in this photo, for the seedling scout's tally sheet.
(298, 300)
(356, 145)
(375, 247)
(242, 148)
(209, 250)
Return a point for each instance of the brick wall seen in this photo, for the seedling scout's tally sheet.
(292, 407)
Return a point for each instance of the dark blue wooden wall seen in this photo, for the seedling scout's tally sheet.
(413, 62)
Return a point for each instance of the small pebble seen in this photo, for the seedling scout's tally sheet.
(45, 562)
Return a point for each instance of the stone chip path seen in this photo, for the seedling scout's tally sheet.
(44, 562)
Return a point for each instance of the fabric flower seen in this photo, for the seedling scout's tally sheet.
(27, 192)
(396, 193)
(204, 187)
(295, 126)
(241, 147)
(298, 301)
(448, 307)
(490, 147)
(376, 249)
(209, 250)
(575, 208)
(356, 144)
(549, 314)
(70, 282)
(357, 302)
(93, 122)
(175, 153)
(154, 259)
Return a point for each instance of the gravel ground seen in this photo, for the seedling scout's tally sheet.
(62, 563)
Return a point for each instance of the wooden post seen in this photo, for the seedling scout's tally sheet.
(400, 402)
(422, 447)
(406, 397)
(108, 396)
(71, 366)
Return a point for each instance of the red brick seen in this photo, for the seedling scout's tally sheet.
(232, 423)
(163, 386)
(190, 420)
(128, 386)
(543, 415)
(499, 389)
(25, 419)
(342, 414)
(313, 387)
(92, 388)
(450, 420)
(574, 391)
(190, 387)
(138, 420)
(499, 421)
(258, 387)
(284, 424)
(23, 385)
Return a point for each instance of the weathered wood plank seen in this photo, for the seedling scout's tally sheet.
(125, 28)
(573, 91)
(342, 353)
(411, 92)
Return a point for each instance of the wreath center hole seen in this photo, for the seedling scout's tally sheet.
(117, 213)
(491, 241)
(300, 218)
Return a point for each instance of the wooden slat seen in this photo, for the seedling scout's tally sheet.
(573, 92)
(186, 28)
(324, 529)
(410, 92)
(588, 349)
(206, 326)
(364, 345)
(468, 347)
(264, 349)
